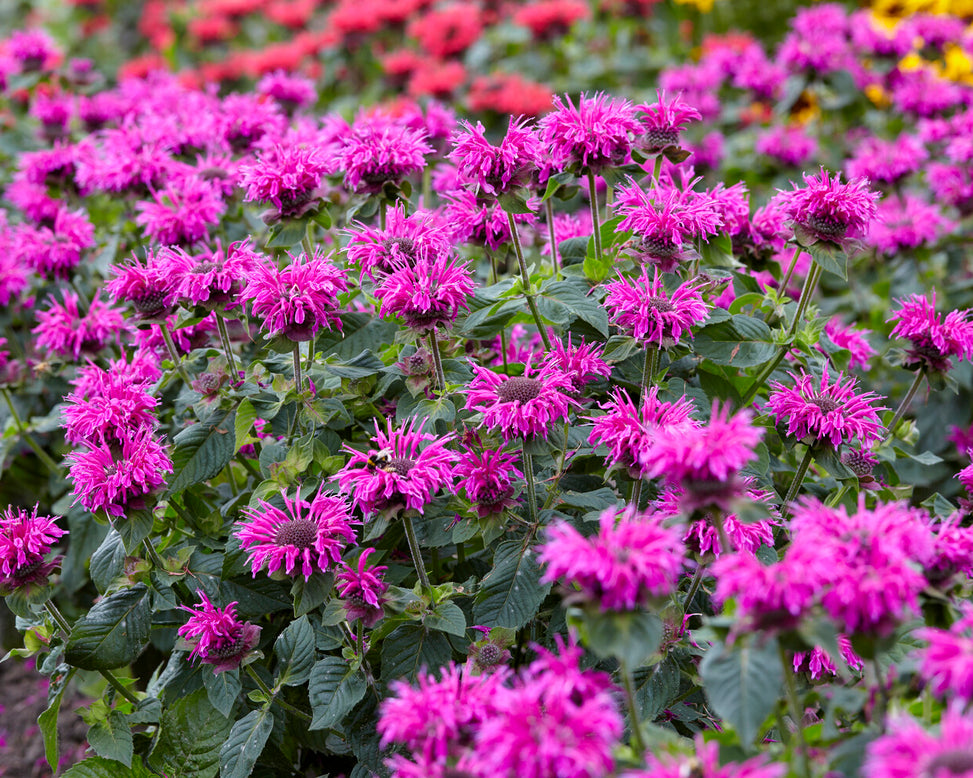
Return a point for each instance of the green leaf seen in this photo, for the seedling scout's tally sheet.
(830, 257)
(573, 250)
(511, 592)
(190, 736)
(295, 653)
(108, 561)
(100, 767)
(629, 636)
(246, 415)
(287, 233)
(111, 738)
(47, 721)
(410, 647)
(222, 689)
(359, 331)
(334, 689)
(447, 617)
(514, 202)
(597, 269)
(113, 632)
(742, 341)
(245, 744)
(577, 303)
(743, 684)
(656, 688)
(202, 450)
(311, 593)
(555, 182)
(134, 527)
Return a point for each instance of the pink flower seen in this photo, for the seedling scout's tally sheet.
(887, 160)
(56, 250)
(481, 222)
(908, 750)
(583, 363)
(947, 662)
(936, 339)
(211, 277)
(788, 144)
(643, 309)
(181, 214)
(830, 210)
(663, 121)
(107, 407)
(744, 535)
(148, 287)
(426, 294)
(379, 151)
(817, 662)
(217, 636)
(907, 222)
(854, 340)
(62, 330)
(826, 410)
(486, 478)
(306, 537)
(520, 406)
(287, 177)
(405, 471)
(497, 169)
(406, 239)
(25, 539)
(299, 299)
(631, 559)
(706, 763)
(596, 134)
(362, 590)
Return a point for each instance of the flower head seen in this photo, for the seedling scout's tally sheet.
(405, 471)
(909, 751)
(854, 340)
(148, 287)
(212, 277)
(62, 330)
(304, 537)
(379, 151)
(643, 309)
(706, 763)
(362, 590)
(936, 338)
(487, 479)
(406, 239)
(826, 409)
(426, 294)
(947, 662)
(107, 406)
(497, 169)
(663, 121)
(25, 539)
(632, 558)
(288, 177)
(217, 636)
(181, 214)
(520, 406)
(583, 362)
(830, 210)
(595, 134)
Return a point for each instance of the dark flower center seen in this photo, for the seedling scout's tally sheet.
(519, 390)
(826, 404)
(658, 138)
(228, 649)
(663, 248)
(297, 532)
(399, 465)
(828, 226)
(956, 762)
(205, 267)
(489, 655)
(857, 463)
(28, 568)
(150, 303)
(660, 304)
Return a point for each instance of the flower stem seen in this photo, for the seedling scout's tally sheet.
(549, 211)
(763, 375)
(726, 547)
(306, 242)
(904, 405)
(798, 478)
(657, 169)
(157, 560)
(227, 348)
(531, 488)
(807, 292)
(360, 638)
(790, 270)
(437, 358)
(273, 697)
(173, 354)
(595, 225)
(835, 498)
(65, 627)
(638, 743)
(648, 370)
(42, 455)
(298, 377)
(795, 707)
(693, 587)
(531, 303)
(410, 536)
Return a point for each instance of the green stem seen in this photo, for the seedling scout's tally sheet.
(595, 221)
(437, 359)
(693, 587)
(157, 561)
(657, 169)
(382, 214)
(549, 211)
(725, 546)
(648, 370)
(531, 488)
(42, 455)
(310, 356)
(273, 697)
(638, 742)
(360, 638)
(636, 493)
(306, 241)
(65, 627)
(298, 377)
(790, 270)
(764, 374)
(173, 354)
(807, 292)
(835, 498)
(904, 405)
(227, 349)
(410, 536)
(795, 706)
(798, 479)
(525, 275)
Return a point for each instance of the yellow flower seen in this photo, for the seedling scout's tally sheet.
(957, 65)
(878, 95)
(703, 6)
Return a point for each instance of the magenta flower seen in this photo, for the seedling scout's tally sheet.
(887, 160)
(55, 250)
(148, 287)
(788, 144)
(907, 222)
(288, 177)
(108, 408)
(299, 299)
(406, 239)
(643, 309)
(706, 763)
(663, 121)
(217, 636)
(664, 220)
(826, 409)
(214, 277)
(633, 558)
(426, 294)
(947, 662)
(181, 214)
(487, 480)
(485, 223)
(62, 330)
(596, 134)
(817, 662)
(291, 91)
(583, 363)
(936, 339)
(520, 406)
(306, 537)
(362, 590)
(907, 750)
(629, 432)
(406, 470)
(25, 539)
(113, 477)
(851, 338)
(830, 210)
(380, 151)
(497, 169)
(744, 536)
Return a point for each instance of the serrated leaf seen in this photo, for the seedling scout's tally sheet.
(245, 744)
(246, 415)
(99, 767)
(294, 649)
(311, 593)
(514, 202)
(190, 736)
(334, 689)
(47, 721)
(108, 561)
(286, 234)
(743, 684)
(656, 688)
(629, 636)
(222, 689)
(113, 633)
(447, 617)
(202, 450)
(511, 593)
(742, 341)
(577, 303)
(359, 331)
(410, 647)
(111, 738)
(829, 257)
(134, 527)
